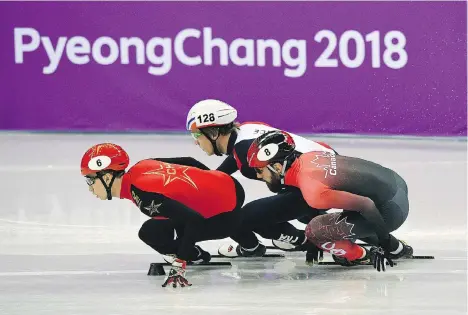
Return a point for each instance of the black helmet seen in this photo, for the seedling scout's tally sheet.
(271, 147)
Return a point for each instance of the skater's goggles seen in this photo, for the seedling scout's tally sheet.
(90, 180)
(258, 170)
(196, 134)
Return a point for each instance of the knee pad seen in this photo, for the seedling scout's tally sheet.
(312, 231)
(328, 228)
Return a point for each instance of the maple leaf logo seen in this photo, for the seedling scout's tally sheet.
(330, 228)
(325, 161)
(343, 228)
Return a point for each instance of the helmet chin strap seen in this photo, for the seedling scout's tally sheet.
(108, 188)
(281, 175)
(213, 143)
(215, 148)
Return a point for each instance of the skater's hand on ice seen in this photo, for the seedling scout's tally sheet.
(380, 257)
(177, 274)
(314, 254)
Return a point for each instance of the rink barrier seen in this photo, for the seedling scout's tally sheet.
(162, 132)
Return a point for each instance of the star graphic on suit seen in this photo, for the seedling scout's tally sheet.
(153, 208)
(172, 172)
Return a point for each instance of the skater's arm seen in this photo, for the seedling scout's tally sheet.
(228, 166)
(188, 161)
(237, 158)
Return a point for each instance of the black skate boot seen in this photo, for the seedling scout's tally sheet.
(361, 261)
(203, 256)
(233, 251)
(258, 252)
(406, 252)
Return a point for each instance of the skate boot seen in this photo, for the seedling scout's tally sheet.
(291, 243)
(233, 251)
(406, 252)
(285, 246)
(169, 258)
(361, 261)
(203, 257)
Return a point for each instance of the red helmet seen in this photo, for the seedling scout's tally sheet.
(271, 147)
(104, 156)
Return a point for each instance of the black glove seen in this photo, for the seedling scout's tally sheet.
(381, 255)
(314, 254)
(177, 274)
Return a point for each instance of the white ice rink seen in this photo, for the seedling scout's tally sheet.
(64, 252)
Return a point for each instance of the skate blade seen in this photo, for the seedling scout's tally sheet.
(157, 269)
(284, 250)
(264, 256)
(421, 257)
(211, 263)
(332, 263)
(368, 245)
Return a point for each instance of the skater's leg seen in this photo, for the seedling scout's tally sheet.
(163, 236)
(269, 217)
(336, 232)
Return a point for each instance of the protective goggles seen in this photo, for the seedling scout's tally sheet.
(258, 170)
(196, 134)
(90, 180)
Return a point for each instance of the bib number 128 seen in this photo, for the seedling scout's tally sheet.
(206, 118)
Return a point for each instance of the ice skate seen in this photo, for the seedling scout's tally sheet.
(285, 246)
(203, 257)
(347, 263)
(233, 251)
(405, 253)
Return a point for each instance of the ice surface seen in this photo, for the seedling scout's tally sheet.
(64, 252)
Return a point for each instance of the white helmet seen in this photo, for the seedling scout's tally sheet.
(210, 113)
